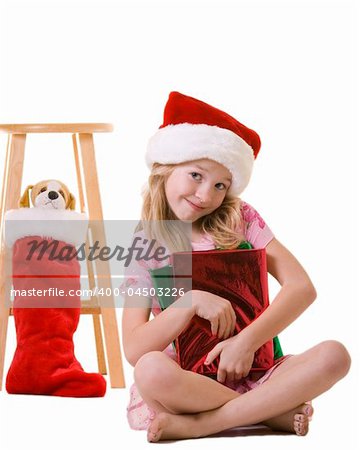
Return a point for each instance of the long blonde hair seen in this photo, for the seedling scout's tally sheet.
(224, 225)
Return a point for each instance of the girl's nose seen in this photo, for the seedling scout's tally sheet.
(204, 194)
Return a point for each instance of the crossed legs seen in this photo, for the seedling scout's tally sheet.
(190, 405)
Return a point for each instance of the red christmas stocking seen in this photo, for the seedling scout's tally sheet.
(44, 361)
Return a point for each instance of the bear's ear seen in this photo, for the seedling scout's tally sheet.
(24, 202)
(71, 202)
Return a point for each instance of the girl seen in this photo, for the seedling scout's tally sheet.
(201, 160)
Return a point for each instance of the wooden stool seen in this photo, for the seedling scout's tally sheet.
(82, 136)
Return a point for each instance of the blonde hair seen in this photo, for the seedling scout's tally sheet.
(224, 225)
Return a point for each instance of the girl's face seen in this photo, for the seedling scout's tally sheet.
(196, 188)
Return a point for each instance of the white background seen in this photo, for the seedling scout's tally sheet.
(287, 69)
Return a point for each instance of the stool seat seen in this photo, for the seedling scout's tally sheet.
(23, 128)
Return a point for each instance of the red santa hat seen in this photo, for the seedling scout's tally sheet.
(194, 130)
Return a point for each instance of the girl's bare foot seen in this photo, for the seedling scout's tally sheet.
(167, 426)
(296, 420)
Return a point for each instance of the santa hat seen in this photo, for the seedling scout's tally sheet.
(194, 130)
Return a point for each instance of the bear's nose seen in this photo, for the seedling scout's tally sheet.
(53, 195)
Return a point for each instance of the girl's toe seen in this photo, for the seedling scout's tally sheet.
(301, 428)
(300, 417)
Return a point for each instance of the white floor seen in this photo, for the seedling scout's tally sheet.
(43, 423)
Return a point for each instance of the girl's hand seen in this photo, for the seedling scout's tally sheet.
(236, 358)
(217, 310)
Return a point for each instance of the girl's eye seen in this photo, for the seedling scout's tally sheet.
(43, 189)
(220, 186)
(196, 176)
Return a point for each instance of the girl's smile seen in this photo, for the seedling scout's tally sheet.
(196, 207)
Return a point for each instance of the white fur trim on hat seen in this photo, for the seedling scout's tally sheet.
(176, 144)
(62, 225)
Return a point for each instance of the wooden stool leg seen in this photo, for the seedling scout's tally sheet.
(111, 332)
(96, 319)
(10, 196)
(99, 344)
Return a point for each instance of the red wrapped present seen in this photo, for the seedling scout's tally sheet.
(240, 276)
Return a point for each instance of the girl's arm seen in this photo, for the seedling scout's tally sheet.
(296, 294)
(141, 336)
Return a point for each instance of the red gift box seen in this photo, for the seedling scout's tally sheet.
(240, 276)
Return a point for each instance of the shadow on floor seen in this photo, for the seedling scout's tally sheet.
(254, 430)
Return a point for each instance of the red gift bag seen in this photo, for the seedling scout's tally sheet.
(240, 276)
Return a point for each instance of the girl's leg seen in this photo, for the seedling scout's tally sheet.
(165, 387)
(297, 380)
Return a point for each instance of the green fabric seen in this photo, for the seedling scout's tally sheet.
(245, 245)
(162, 278)
(278, 353)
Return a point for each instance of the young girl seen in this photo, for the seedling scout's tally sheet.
(201, 160)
